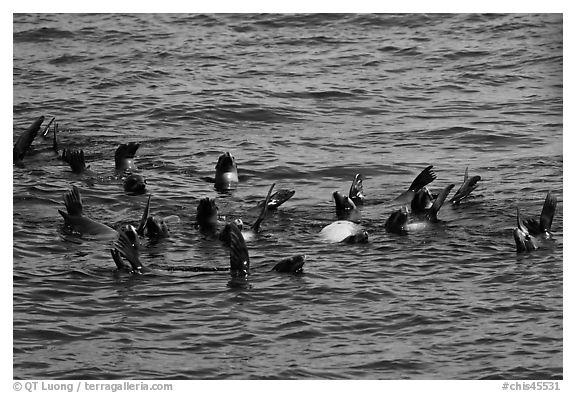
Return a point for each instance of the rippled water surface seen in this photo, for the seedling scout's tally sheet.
(305, 101)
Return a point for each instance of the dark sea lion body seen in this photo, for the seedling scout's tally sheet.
(74, 218)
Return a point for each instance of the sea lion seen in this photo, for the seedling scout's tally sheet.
(24, 141)
(346, 206)
(530, 234)
(424, 178)
(468, 185)
(152, 226)
(124, 156)
(422, 201)
(240, 260)
(344, 231)
(401, 222)
(292, 265)
(127, 245)
(74, 218)
(208, 223)
(226, 177)
(132, 182)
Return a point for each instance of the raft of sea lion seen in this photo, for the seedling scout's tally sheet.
(415, 209)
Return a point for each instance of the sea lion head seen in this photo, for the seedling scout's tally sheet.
(397, 221)
(423, 199)
(343, 202)
(124, 156)
(156, 227)
(135, 183)
(226, 177)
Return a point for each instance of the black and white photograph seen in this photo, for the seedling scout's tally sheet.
(288, 196)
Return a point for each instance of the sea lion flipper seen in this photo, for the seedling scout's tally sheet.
(469, 185)
(548, 211)
(47, 128)
(256, 225)
(144, 219)
(25, 140)
(278, 198)
(356, 193)
(239, 258)
(439, 202)
(118, 260)
(76, 160)
(73, 202)
(129, 247)
(425, 177)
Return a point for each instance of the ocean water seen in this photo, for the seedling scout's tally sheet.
(303, 101)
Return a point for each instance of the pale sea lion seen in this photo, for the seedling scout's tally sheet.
(344, 231)
(530, 234)
(226, 177)
(74, 218)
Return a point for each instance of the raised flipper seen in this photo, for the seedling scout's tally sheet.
(25, 140)
(425, 177)
(548, 211)
(278, 198)
(124, 155)
(258, 222)
(468, 185)
(524, 241)
(291, 265)
(127, 245)
(76, 160)
(239, 258)
(356, 193)
(73, 202)
(47, 128)
(118, 261)
(55, 144)
(144, 218)
(433, 212)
